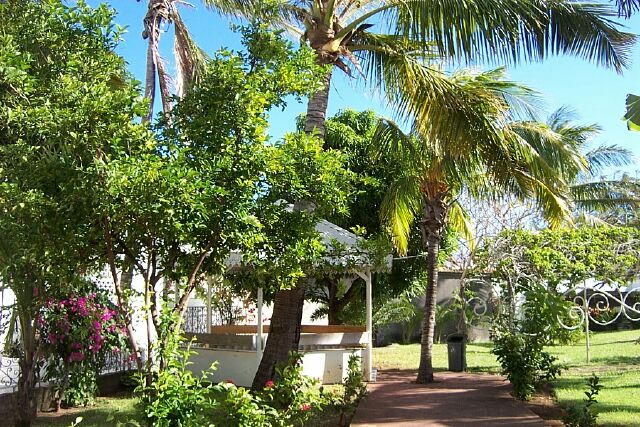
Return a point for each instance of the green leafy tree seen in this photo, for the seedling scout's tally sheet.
(351, 132)
(293, 252)
(495, 159)
(64, 96)
(177, 206)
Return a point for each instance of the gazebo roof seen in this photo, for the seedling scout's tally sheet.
(330, 233)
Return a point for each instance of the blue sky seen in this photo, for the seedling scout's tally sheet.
(596, 94)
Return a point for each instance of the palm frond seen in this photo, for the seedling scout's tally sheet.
(190, 59)
(460, 221)
(552, 202)
(605, 194)
(549, 147)
(388, 138)
(563, 122)
(510, 31)
(586, 218)
(234, 8)
(399, 209)
(605, 156)
(627, 7)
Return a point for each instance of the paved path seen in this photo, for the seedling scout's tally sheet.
(455, 399)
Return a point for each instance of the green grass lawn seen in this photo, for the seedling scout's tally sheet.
(115, 409)
(615, 358)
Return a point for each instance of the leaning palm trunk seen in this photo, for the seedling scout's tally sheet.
(284, 333)
(432, 226)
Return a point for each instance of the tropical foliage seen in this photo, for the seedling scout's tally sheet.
(499, 156)
(64, 98)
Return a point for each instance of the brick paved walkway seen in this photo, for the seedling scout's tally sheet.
(455, 399)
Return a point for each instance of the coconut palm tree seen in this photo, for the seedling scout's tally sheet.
(341, 33)
(189, 58)
(393, 43)
(589, 192)
(495, 159)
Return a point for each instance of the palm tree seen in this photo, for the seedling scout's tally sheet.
(414, 32)
(340, 32)
(189, 58)
(495, 159)
(589, 192)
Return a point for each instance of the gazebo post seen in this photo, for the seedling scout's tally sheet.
(369, 350)
(209, 312)
(259, 331)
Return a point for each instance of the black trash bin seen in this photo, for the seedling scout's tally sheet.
(457, 349)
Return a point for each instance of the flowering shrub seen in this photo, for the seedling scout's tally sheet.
(289, 399)
(76, 333)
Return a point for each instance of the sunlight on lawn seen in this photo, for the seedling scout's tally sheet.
(615, 358)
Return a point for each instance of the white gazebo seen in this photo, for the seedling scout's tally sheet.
(325, 348)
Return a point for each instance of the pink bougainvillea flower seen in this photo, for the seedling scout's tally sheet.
(76, 356)
(269, 384)
(305, 407)
(52, 338)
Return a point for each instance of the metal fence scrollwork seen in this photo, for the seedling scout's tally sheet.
(603, 305)
(9, 373)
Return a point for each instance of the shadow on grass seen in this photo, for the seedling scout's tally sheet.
(573, 382)
(117, 410)
(633, 340)
(617, 360)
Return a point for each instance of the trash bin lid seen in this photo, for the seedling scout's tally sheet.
(456, 338)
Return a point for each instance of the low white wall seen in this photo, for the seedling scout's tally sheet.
(240, 366)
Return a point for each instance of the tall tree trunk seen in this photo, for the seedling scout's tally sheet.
(284, 333)
(26, 405)
(317, 108)
(150, 83)
(434, 221)
(425, 371)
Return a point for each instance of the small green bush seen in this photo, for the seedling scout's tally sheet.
(587, 415)
(288, 400)
(524, 362)
(353, 391)
(175, 397)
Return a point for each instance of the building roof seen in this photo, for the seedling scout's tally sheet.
(354, 254)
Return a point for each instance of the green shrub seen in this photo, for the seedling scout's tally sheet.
(290, 399)
(524, 362)
(175, 397)
(354, 389)
(585, 416)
